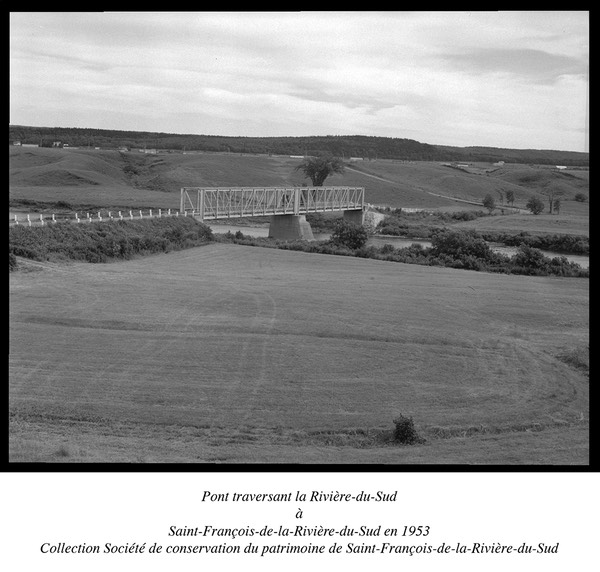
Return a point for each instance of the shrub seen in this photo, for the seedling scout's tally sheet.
(12, 262)
(349, 234)
(405, 432)
(460, 244)
(535, 205)
(580, 198)
(530, 258)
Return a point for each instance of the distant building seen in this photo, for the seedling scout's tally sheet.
(29, 145)
(499, 164)
(561, 167)
(16, 143)
(462, 165)
(356, 158)
(56, 144)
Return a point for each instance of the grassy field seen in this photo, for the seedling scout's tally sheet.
(234, 354)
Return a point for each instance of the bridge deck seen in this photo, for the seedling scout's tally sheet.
(232, 202)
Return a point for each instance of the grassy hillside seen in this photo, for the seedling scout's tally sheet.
(111, 179)
(236, 354)
(79, 177)
(114, 179)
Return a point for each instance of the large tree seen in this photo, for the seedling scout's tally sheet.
(317, 169)
(552, 191)
(489, 203)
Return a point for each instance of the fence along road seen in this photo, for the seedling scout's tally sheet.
(98, 216)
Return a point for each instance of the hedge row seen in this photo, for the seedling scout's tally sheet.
(102, 241)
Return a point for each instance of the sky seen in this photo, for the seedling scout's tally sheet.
(498, 79)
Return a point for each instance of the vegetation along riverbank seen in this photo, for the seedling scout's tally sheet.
(467, 250)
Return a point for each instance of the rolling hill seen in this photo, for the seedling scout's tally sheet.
(110, 179)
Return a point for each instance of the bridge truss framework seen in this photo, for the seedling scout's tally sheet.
(210, 203)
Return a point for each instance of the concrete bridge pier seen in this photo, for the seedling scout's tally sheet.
(290, 227)
(355, 216)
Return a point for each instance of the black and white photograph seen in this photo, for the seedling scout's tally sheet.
(295, 289)
(356, 238)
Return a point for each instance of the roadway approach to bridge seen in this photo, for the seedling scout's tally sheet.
(287, 206)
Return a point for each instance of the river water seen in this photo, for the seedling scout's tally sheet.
(396, 241)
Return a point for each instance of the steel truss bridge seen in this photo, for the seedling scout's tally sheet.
(234, 202)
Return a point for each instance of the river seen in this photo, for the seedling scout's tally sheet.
(396, 241)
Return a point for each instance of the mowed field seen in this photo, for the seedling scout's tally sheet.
(234, 354)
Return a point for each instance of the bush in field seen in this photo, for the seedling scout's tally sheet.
(405, 432)
(349, 234)
(535, 205)
(580, 197)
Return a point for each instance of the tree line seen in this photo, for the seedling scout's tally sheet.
(343, 146)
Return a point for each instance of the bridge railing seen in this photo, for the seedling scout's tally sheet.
(232, 202)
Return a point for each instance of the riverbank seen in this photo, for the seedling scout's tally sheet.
(379, 240)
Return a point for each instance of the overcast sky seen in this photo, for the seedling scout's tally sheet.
(499, 79)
